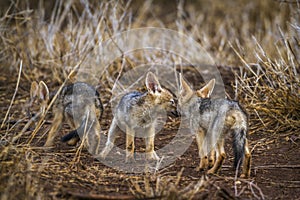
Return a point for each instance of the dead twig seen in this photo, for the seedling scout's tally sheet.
(14, 96)
(277, 166)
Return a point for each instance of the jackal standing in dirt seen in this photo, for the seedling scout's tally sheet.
(210, 121)
(80, 105)
(140, 110)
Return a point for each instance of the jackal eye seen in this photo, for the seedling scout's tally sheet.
(172, 101)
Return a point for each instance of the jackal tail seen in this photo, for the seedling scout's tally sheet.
(71, 138)
(239, 140)
(89, 130)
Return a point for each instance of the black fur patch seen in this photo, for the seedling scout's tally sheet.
(205, 104)
(140, 101)
(70, 135)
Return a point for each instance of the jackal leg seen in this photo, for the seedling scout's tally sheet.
(129, 143)
(70, 121)
(246, 162)
(150, 153)
(220, 155)
(203, 156)
(216, 140)
(110, 139)
(56, 125)
(92, 129)
(93, 139)
(211, 160)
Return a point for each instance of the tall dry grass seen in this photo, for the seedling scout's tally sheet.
(270, 88)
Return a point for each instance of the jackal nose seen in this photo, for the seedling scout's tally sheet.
(175, 113)
(179, 111)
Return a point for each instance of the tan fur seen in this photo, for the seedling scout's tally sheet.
(205, 92)
(39, 92)
(234, 119)
(138, 110)
(81, 99)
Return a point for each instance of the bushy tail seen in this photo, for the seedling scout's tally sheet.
(239, 139)
(77, 133)
(70, 136)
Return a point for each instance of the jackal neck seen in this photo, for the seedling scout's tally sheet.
(189, 104)
(149, 100)
(204, 104)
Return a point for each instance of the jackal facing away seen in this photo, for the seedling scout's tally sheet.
(210, 121)
(80, 105)
(140, 110)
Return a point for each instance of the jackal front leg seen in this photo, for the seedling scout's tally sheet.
(150, 153)
(129, 144)
(211, 160)
(220, 155)
(110, 139)
(56, 125)
(203, 156)
(93, 139)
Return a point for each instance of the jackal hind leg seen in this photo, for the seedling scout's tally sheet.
(211, 160)
(203, 156)
(70, 121)
(149, 140)
(92, 131)
(220, 155)
(94, 138)
(110, 139)
(246, 162)
(129, 144)
(56, 125)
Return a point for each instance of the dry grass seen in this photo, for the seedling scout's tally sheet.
(259, 39)
(270, 89)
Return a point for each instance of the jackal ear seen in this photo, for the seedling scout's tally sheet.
(184, 88)
(43, 91)
(34, 90)
(152, 83)
(205, 92)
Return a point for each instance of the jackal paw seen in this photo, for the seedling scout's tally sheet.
(199, 168)
(48, 144)
(104, 153)
(211, 171)
(211, 162)
(203, 164)
(245, 175)
(152, 156)
(108, 147)
(129, 157)
(94, 150)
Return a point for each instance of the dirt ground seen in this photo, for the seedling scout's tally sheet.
(275, 168)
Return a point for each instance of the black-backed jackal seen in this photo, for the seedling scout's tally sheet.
(79, 104)
(139, 110)
(210, 120)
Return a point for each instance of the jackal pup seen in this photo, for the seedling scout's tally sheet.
(140, 110)
(210, 121)
(80, 105)
(38, 93)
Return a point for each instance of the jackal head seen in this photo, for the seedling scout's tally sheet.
(186, 93)
(38, 93)
(160, 96)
